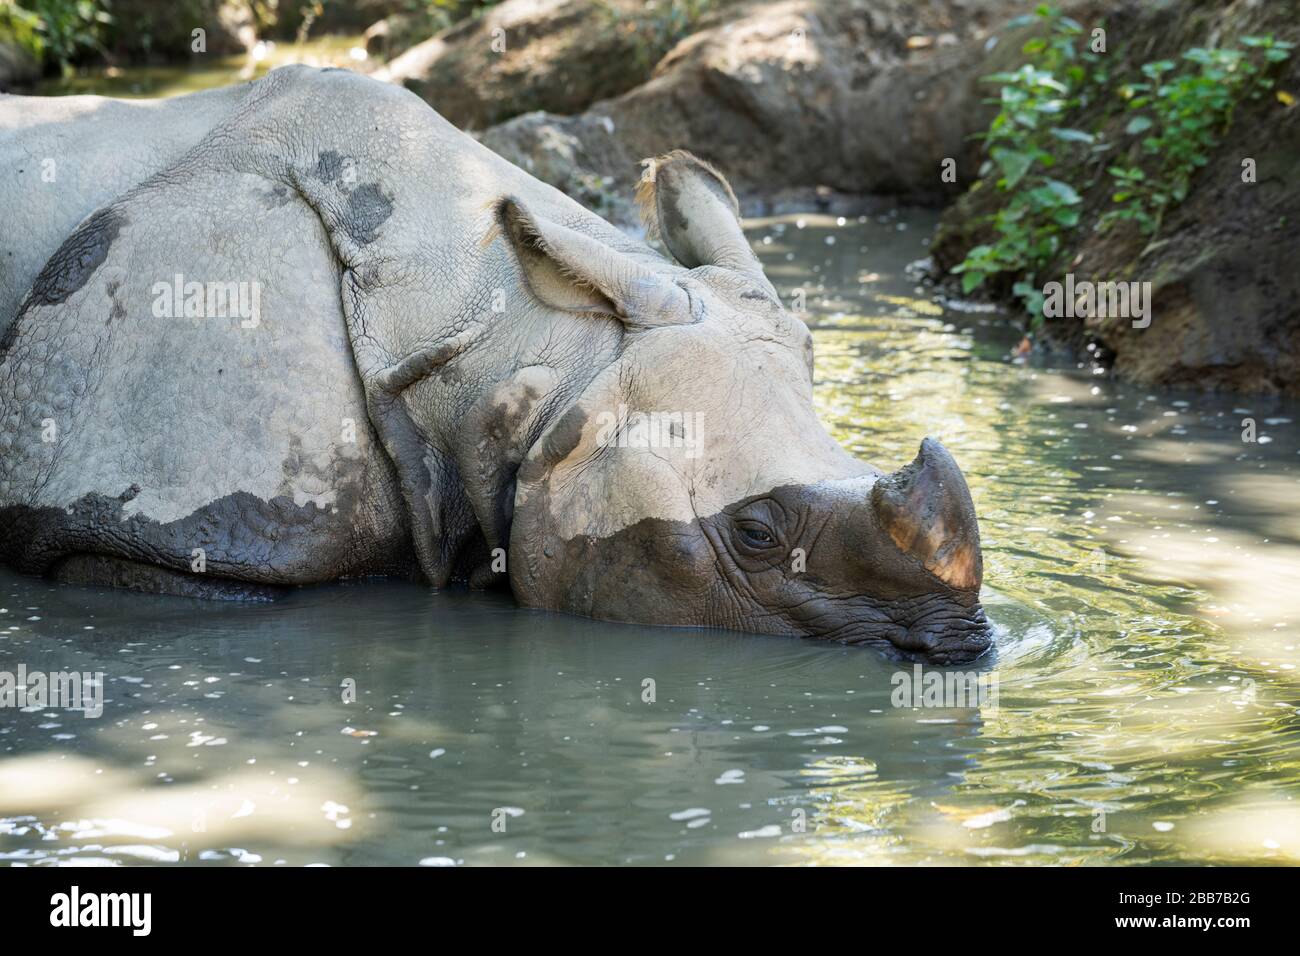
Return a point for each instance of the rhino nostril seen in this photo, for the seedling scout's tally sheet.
(952, 639)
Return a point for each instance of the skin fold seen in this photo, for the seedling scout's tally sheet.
(452, 371)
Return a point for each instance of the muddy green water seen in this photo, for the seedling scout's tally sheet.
(1142, 570)
(208, 71)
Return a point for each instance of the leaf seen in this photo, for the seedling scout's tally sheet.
(970, 281)
(1014, 165)
(1138, 124)
(1285, 98)
(1063, 191)
(1069, 218)
(1119, 172)
(1072, 135)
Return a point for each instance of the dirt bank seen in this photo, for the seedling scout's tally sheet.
(1225, 290)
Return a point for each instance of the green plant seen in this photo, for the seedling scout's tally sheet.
(21, 28)
(67, 28)
(1183, 117)
(1025, 142)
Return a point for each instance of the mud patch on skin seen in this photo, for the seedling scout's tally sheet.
(498, 431)
(564, 436)
(670, 206)
(329, 166)
(321, 480)
(118, 309)
(76, 260)
(242, 538)
(657, 572)
(275, 197)
(368, 209)
(95, 570)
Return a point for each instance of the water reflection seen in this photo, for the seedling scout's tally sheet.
(1142, 566)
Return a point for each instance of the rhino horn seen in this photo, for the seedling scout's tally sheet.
(927, 510)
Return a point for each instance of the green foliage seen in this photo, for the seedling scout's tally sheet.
(1180, 118)
(1175, 118)
(1024, 142)
(21, 28)
(66, 28)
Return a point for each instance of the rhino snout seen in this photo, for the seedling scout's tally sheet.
(955, 635)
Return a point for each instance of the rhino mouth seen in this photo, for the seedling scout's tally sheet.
(933, 629)
(949, 638)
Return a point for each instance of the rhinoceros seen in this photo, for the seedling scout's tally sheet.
(305, 329)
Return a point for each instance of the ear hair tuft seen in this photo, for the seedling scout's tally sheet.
(524, 233)
(647, 197)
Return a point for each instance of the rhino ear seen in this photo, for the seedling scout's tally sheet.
(690, 205)
(572, 271)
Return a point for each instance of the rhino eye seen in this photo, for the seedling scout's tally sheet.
(756, 535)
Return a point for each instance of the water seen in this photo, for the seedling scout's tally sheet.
(209, 70)
(1142, 571)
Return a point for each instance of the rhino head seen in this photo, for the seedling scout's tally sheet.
(691, 482)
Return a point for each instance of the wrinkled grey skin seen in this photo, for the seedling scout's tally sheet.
(444, 378)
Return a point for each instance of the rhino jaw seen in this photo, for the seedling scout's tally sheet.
(927, 510)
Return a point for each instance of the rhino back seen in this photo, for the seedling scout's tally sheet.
(64, 157)
(180, 378)
(370, 224)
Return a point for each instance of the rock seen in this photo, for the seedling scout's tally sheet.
(282, 20)
(388, 37)
(795, 95)
(526, 55)
(144, 29)
(353, 16)
(570, 153)
(1224, 288)
(20, 49)
(18, 68)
